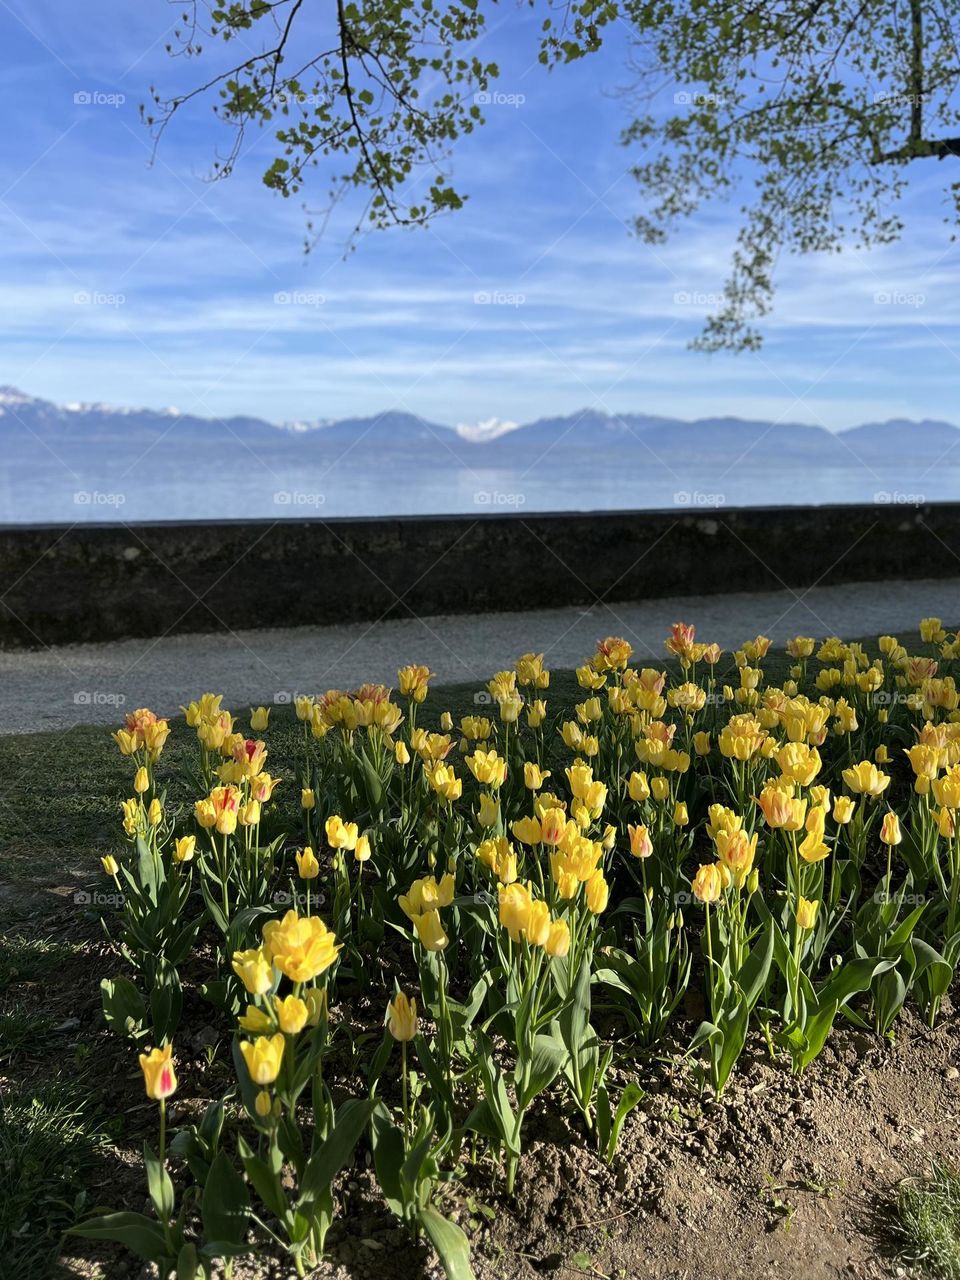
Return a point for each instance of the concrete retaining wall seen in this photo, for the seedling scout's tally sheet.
(99, 582)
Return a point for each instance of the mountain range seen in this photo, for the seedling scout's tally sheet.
(31, 426)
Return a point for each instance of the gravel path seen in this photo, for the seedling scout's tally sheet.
(58, 688)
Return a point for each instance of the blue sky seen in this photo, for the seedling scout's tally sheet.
(186, 273)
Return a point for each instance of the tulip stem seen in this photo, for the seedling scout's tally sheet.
(406, 1096)
(163, 1130)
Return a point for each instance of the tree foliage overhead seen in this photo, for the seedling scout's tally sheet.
(816, 106)
(810, 110)
(381, 97)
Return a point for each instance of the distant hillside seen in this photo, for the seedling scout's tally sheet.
(29, 426)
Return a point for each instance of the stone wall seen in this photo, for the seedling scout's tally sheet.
(100, 582)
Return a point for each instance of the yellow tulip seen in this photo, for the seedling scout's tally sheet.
(401, 753)
(291, 1014)
(402, 1017)
(536, 713)
(307, 798)
(413, 682)
(248, 814)
(308, 867)
(255, 1020)
(263, 1104)
(680, 816)
(843, 808)
(890, 832)
(301, 947)
(537, 928)
(527, 830)
(514, 903)
(430, 931)
(127, 742)
(254, 970)
(141, 781)
(263, 1057)
(340, 834)
(110, 865)
(660, 788)
(558, 939)
(155, 813)
(488, 814)
(597, 892)
(866, 779)
(533, 776)
(184, 849)
(638, 787)
(362, 852)
(259, 718)
(159, 1076)
(806, 914)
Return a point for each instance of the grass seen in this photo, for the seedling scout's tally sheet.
(928, 1222)
(50, 1143)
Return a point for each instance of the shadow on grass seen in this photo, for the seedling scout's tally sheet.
(53, 1147)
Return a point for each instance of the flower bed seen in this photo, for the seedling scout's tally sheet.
(553, 894)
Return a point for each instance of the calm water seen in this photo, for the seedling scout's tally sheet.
(234, 490)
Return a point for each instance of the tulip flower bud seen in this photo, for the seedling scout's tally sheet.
(259, 718)
(401, 753)
(446, 722)
(184, 848)
(141, 780)
(292, 1014)
(362, 852)
(307, 865)
(154, 813)
(307, 798)
(890, 831)
(402, 1017)
(110, 865)
(263, 1104)
(263, 1057)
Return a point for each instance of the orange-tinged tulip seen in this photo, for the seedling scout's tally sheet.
(707, 884)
